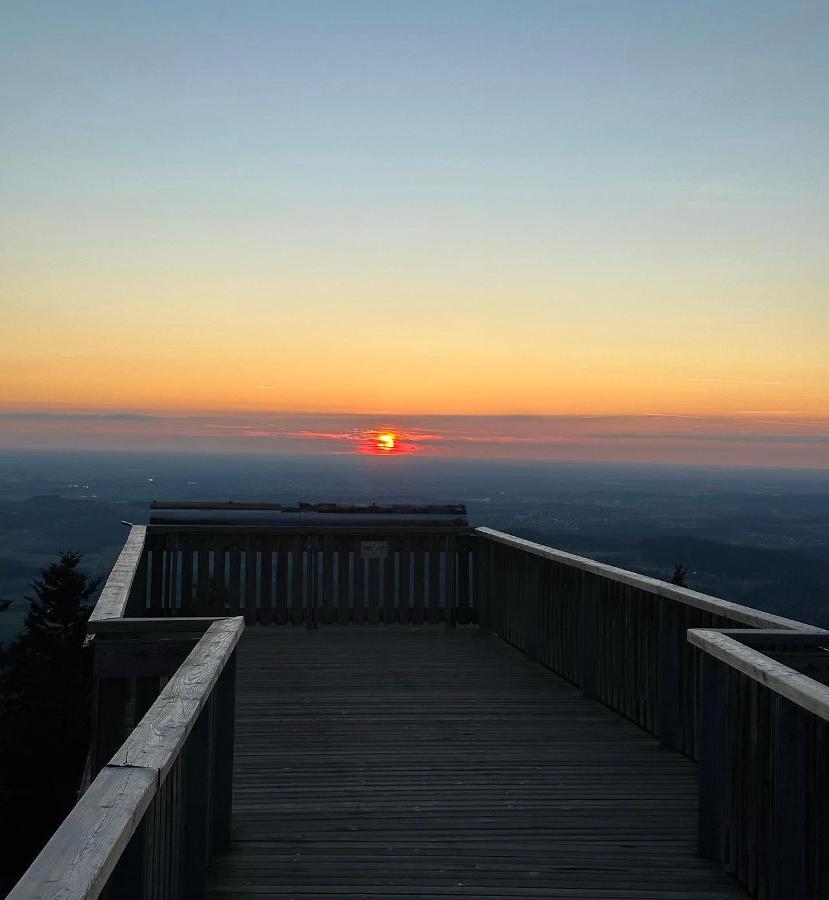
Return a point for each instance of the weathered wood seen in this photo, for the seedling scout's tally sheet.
(197, 825)
(161, 627)
(157, 740)
(420, 762)
(588, 627)
(670, 640)
(251, 576)
(235, 578)
(80, 856)
(187, 597)
(801, 690)
(218, 600)
(111, 700)
(266, 583)
(115, 595)
(419, 582)
(733, 611)
(328, 583)
(404, 599)
(435, 610)
(343, 582)
(790, 792)
(283, 584)
(137, 596)
(225, 713)
(373, 590)
(463, 595)
(359, 611)
(388, 573)
(709, 819)
(297, 579)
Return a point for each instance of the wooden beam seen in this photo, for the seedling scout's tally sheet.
(80, 856)
(159, 736)
(724, 608)
(115, 595)
(800, 689)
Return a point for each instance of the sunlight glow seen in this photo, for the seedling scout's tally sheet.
(386, 441)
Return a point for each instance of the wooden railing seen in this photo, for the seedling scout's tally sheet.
(157, 801)
(741, 691)
(147, 823)
(745, 696)
(273, 575)
(764, 759)
(620, 636)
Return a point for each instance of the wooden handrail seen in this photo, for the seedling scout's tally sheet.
(700, 673)
(801, 690)
(734, 611)
(763, 735)
(81, 856)
(114, 599)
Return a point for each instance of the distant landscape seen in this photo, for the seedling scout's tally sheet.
(758, 537)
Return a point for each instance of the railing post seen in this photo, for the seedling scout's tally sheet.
(137, 599)
(197, 791)
(225, 700)
(450, 546)
(483, 581)
(712, 696)
(588, 620)
(128, 878)
(669, 655)
(109, 723)
(787, 844)
(531, 608)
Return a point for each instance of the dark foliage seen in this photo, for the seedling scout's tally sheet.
(45, 702)
(680, 576)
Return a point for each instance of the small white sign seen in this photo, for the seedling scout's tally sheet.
(374, 549)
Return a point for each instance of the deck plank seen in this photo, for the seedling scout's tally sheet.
(418, 762)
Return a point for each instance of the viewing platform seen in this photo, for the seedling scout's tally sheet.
(326, 701)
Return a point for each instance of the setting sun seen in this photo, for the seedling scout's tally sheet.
(386, 441)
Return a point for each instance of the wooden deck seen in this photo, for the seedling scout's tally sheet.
(419, 762)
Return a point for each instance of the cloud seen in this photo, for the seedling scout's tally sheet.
(762, 438)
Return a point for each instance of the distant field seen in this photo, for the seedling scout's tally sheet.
(754, 537)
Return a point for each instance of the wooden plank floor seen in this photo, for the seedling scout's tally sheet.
(416, 762)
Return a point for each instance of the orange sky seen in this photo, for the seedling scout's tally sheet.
(404, 211)
(366, 347)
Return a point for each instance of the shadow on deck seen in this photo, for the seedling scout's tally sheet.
(421, 762)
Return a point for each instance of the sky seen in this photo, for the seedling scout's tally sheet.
(393, 213)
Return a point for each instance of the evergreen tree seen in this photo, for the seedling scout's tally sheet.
(680, 576)
(45, 703)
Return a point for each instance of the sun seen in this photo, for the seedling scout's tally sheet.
(386, 441)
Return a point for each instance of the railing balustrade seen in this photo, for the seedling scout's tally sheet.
(289, 575)
(741, 691)
(764, 759)
(146, 825)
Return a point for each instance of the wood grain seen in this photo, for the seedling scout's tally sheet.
(420, 762)
(734, 611)
(116, 591)
(80, 856)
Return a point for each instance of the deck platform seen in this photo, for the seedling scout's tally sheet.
(419, 762)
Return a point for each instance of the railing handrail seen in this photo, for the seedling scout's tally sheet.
(81, 855)
(754, 617)
(800, 689)
(112, 603)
